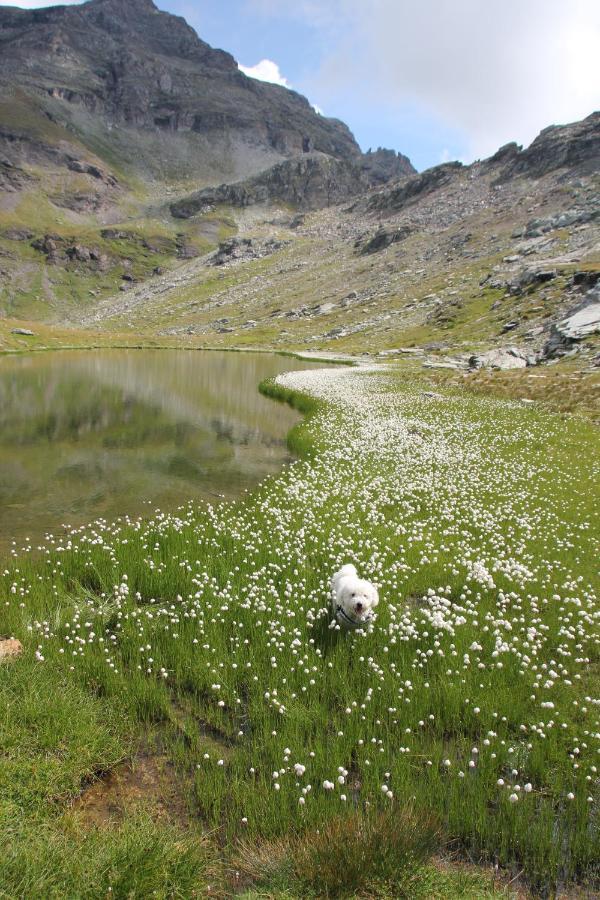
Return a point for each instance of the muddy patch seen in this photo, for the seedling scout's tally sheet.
(149, 782)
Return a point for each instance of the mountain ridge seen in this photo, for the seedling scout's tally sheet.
(136, 67)
(151, 189)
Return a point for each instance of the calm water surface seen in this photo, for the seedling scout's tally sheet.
(112, 432)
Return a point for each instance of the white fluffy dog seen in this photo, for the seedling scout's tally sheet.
(353, 599)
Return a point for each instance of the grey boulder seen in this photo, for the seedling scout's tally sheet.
(502, 358)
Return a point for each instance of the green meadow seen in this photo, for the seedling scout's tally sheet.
(186, 719)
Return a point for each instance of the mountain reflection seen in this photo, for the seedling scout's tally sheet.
(105, 433)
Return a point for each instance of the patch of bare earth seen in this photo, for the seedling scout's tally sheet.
(149, 782)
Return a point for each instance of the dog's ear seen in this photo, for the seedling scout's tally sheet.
(375, 595)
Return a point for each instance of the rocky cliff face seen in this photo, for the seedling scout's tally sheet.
(575, 146)
(312, 181)
(127, 78)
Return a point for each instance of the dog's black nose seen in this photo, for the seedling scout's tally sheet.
(359, 606)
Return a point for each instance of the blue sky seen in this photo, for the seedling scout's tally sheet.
(435, 79)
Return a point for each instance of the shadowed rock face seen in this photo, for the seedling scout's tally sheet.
(574, 146)
(420, 185)
(126, 63)
(312, 181)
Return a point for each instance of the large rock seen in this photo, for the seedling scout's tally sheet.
(383, 237)
(568, 218)
(17, 234)
(584, 321)
(236, 249)
(502, 358)
(529, 278)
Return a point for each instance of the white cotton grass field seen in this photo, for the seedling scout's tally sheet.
(472, 699)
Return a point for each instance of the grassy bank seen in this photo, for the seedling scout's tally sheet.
(466, 716)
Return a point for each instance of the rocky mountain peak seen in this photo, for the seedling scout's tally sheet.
(153, 29)
(163, 103)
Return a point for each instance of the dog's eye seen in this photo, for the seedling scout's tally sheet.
(354, 595)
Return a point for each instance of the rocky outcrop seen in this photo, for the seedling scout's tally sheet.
(529, 279)
(62, 251)
(241, 249)
(17, 234)
(383, 237)
(312, 181)
(380, 166)
(12, 177)
(575, 146)
(501, 358)
(581, 322)
(568, 218)
(413, 188)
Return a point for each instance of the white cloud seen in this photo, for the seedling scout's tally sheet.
(265, 70)
(497, 71)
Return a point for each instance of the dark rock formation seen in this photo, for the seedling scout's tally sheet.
(529, 279)
(412, 188)
(311, 181)
(17, 234)
(381, 239)
(62, 251)
(12, 177)
(381, 166)
(240, 249)
(575, 146)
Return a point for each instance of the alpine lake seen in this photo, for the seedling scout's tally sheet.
(109, 433)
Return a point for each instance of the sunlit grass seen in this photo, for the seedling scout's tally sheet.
(474, 697)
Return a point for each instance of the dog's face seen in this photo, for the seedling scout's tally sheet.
(357, 597)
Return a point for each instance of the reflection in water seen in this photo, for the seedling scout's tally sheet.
(106, 433)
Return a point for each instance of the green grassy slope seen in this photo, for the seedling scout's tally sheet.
(206, 634)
